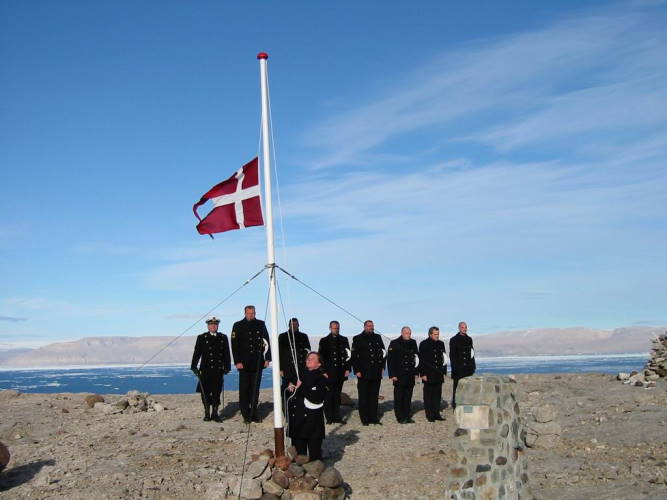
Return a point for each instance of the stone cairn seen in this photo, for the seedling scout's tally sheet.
(132, 402)
(292, 477)
(656, 366)
(489, 444)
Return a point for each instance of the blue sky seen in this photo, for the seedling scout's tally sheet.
(498, 163)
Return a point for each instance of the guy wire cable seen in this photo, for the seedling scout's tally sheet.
(329, 300)
(201, 318)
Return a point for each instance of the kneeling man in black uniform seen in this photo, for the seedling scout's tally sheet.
(213, 351)
(306, 409)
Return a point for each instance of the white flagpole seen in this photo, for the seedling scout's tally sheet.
(279, 433)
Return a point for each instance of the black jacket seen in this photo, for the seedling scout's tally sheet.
(213, 352)
(250, 340)
(432, 361)
(401, 361)
(305, 422)
(368, 355)
(336, 355)
(462, 356)
(301, 344)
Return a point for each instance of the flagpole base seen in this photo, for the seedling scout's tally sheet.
(279, 438)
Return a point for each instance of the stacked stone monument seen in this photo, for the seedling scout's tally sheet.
(489, 444)
(656, 366)
(292, 477)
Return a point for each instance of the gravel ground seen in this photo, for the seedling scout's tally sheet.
(613, 445)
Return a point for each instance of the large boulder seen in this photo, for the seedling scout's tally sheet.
(4, 457)
(330, 478)
(251, 488)
(91, 399)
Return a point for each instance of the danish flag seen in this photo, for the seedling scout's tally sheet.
(236, 202)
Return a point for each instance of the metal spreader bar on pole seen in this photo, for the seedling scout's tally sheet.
(278, 429)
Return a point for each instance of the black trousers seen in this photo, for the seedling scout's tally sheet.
(249, 392)
(332, 400)
(403, 401)
(432, 397)
(310, 447)
(368, 389)
(212, 386)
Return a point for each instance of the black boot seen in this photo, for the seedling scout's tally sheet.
(207, 414)
(215, 416)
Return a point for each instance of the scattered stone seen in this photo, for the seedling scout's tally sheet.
(305, 495)
(91, 399)
(269, 496)
(302, 459)
(314, 468)
(291, 452)
(272, 487)
(251, 488)
(330, 478)
(544, 413)
(280, 478)
(216, 490)
(302, 483)
(256, 468)
(295, 470)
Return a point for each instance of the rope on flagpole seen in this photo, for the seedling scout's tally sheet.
(275, 175)
(201, 318)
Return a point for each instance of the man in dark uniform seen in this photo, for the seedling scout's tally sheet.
(252, 353)
(213, 351)
(306, 416)
(293, 346)
(402, 368)
(432, 368)
(335, 353)
(462, 356)
(368, 359)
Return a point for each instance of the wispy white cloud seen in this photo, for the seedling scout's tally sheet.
(600, 71)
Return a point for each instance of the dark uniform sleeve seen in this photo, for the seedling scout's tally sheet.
(226, 359)
(454, 355)
(235, 345)
(472, 358)
(282, 350)
(391, 359)
(356, 355)
(314, 392)
(422, 359)
(308, 344)
(323, 351)
(196, 355)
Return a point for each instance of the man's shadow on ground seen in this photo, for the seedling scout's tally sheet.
(20, 474)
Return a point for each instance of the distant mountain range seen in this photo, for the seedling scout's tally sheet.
(138, 350)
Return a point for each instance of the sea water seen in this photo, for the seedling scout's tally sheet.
(178, 379)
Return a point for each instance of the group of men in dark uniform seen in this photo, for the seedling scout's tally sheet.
(406, 362)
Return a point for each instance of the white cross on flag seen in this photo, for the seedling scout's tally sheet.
(236, 202)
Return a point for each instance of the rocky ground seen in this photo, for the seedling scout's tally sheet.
(613, 444)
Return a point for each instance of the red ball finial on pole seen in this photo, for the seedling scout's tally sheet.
(262, 55)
